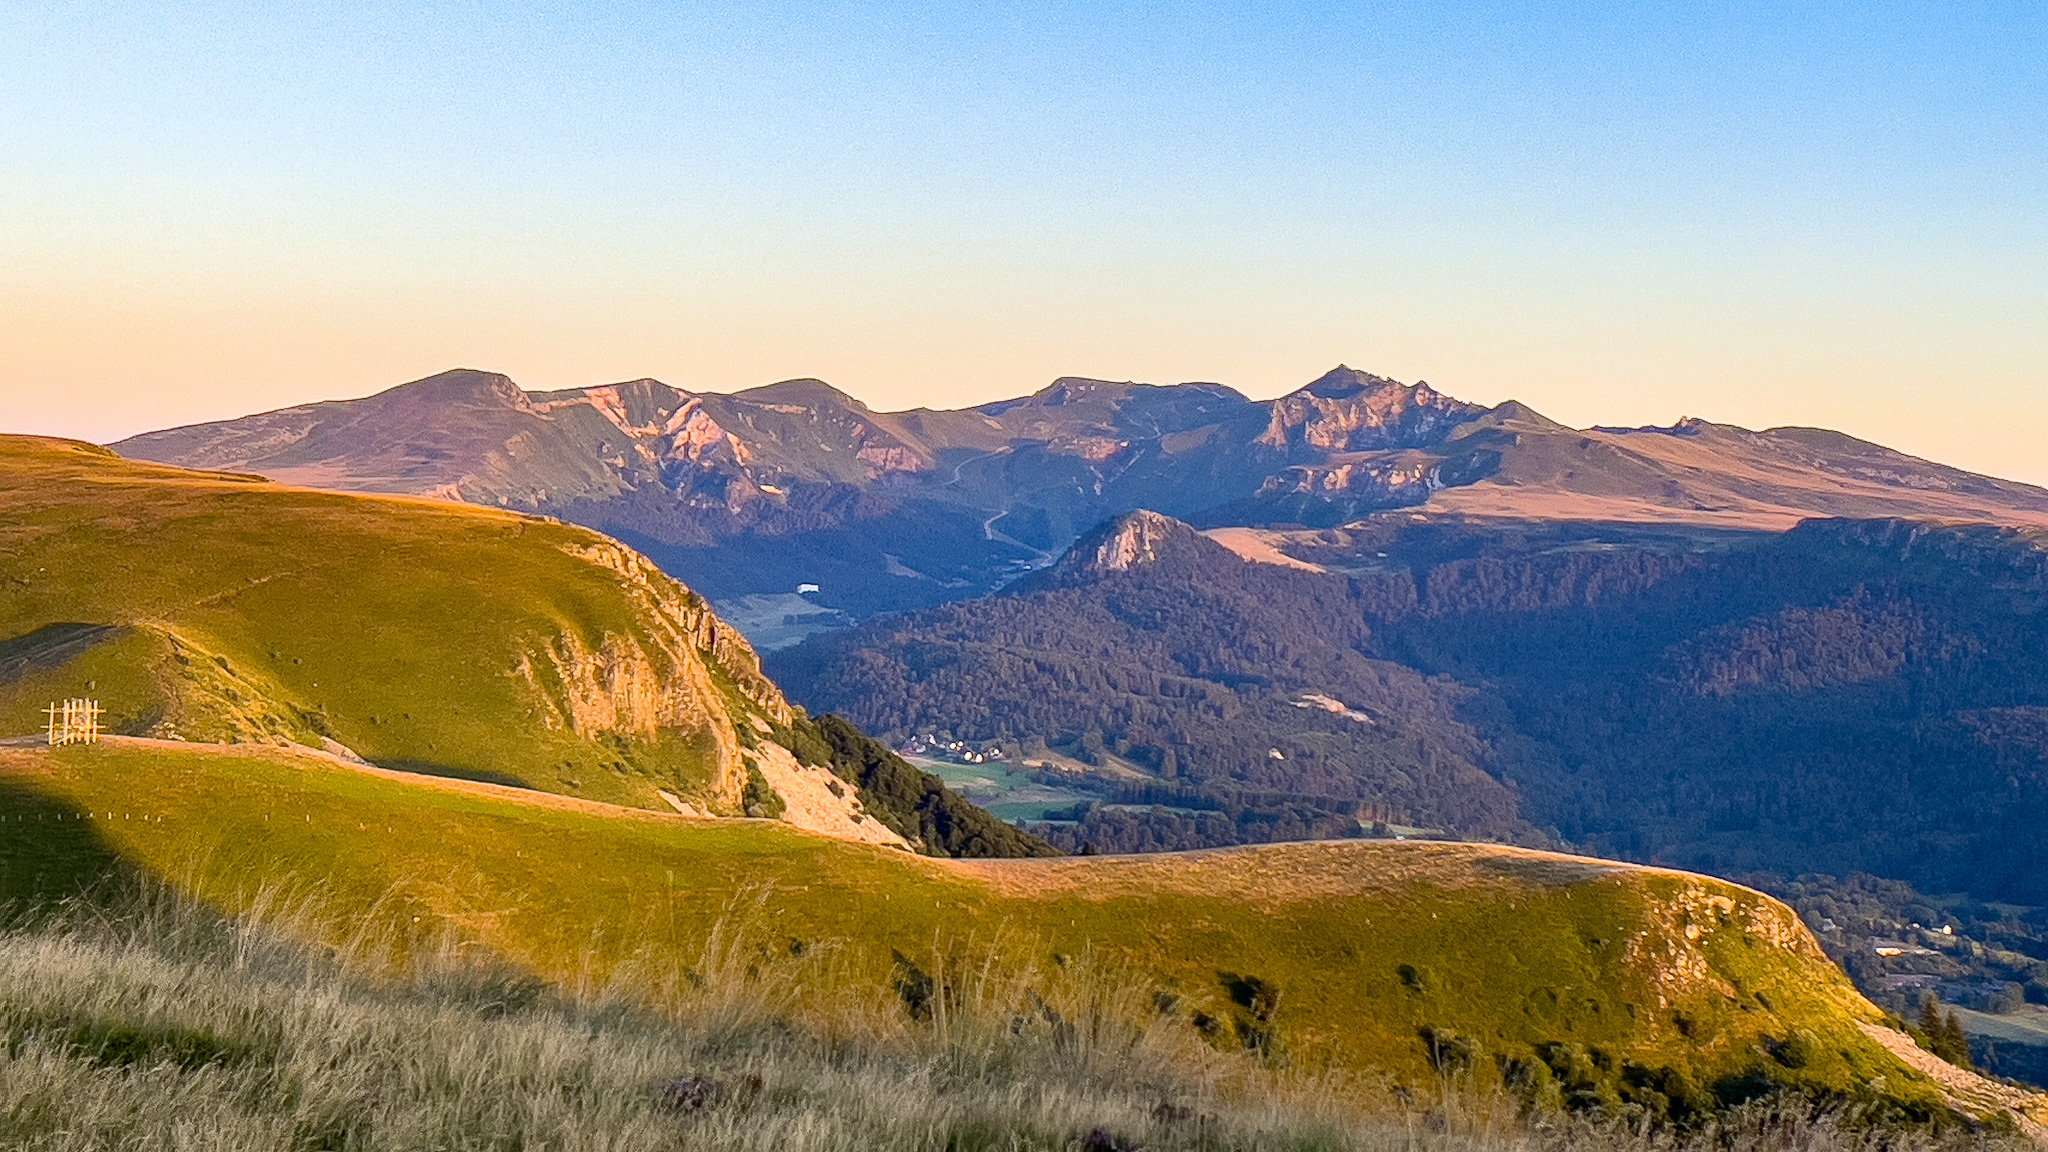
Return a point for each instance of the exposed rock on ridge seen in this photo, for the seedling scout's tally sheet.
(1346, 410)
(750, 495)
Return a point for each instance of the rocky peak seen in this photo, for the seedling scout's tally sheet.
(463, 387)
(1126, 543)
(1346, 410)
(1344, 381)
(1134, 539)
(807, 392)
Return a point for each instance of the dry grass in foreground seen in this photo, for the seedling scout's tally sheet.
(145, 1023)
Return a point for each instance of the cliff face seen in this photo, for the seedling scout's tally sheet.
(686, 623)
(1351, 411)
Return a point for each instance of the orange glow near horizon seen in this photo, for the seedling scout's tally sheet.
(1617, 215)
(100, 365)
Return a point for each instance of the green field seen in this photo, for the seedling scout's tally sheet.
(2028, 1026)
(1564, 978)
(1004, 791)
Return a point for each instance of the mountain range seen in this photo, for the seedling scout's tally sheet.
(749, 496)
(1362, 601)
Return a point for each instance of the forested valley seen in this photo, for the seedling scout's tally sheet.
(1850, 696)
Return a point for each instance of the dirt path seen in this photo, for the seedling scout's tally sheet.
(353, 763)
(813, 808)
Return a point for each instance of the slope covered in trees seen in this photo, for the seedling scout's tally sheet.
(1849, 696)
(1194, 669)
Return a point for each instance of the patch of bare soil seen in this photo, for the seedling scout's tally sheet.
(1967, 1091)
(812, 806)
(1259, 547)
(1275, 874)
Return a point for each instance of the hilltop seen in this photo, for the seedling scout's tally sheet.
(422, 635)
(750, 495)
(1574, 982)
(1181, 675)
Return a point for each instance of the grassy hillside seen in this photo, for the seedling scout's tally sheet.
(1567, 980)
(436, 637)
(137, 1024)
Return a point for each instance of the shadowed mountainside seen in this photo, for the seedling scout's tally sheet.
(1848, 696)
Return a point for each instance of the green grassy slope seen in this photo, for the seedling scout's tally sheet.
(438, 637)
(1566, 979)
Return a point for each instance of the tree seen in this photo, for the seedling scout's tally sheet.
(1944, 1034)
(1930, 1016)
(1954, 1047)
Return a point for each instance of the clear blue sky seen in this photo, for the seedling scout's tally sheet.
(1618, 213)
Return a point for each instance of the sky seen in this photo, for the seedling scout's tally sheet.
(1625, 213)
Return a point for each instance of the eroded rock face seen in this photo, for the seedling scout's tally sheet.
(1671, 957)
(1395, 480)
(689, 621)
(1135, 540)
(1352, 411)
(675, 680)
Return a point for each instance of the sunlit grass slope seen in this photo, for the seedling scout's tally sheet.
(1568, 980)
(432, 636)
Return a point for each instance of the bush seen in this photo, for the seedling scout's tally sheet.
(759, 799)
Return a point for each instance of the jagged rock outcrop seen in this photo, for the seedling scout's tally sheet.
(690, 623)
(1133, 540)
(1346, 410)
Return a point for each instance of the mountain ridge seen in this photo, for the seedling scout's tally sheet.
(753, 493)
